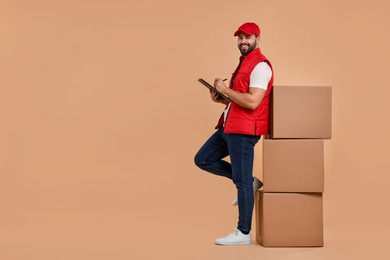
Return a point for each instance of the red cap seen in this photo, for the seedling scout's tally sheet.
(248, 28)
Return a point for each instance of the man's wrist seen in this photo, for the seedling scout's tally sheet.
(224, 91)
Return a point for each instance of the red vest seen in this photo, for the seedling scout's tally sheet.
(241, 120)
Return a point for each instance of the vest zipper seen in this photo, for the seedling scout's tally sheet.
(227, 115)
(230, 107)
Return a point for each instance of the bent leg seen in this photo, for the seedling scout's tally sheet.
(210, 155)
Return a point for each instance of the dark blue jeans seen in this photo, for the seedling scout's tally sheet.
(240, 148)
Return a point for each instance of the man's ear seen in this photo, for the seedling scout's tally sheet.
(258, 40)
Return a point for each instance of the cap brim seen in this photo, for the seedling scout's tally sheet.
(241, 31)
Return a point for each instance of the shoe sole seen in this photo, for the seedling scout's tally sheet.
(234, 244)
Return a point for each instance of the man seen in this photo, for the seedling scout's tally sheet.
(240, 127)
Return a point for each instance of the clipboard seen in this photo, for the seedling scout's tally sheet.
(211, 87)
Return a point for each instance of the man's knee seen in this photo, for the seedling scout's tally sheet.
(242, 182)
(199, 161)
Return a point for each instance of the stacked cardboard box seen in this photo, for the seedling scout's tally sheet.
(289, 208)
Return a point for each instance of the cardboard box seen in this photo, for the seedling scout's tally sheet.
(289, 219)
(301, 112)
(293, 165)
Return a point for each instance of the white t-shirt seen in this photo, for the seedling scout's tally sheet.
(259, 78)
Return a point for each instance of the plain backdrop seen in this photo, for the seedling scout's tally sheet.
(101, 115)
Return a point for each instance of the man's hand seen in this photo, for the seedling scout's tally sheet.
(216, 97)
(220, 85)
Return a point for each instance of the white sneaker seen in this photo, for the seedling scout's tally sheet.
(256, 185)
(235, 238)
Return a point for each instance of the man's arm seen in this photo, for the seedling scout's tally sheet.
(250, 100)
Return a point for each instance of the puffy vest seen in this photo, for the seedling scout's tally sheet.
(241, 120)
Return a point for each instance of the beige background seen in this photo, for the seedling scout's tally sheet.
(101, 116)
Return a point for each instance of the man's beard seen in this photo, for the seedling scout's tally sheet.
(248, 48)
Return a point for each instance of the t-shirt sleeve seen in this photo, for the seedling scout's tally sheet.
(260, 76)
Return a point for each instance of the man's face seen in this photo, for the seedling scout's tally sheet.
(247, 43)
